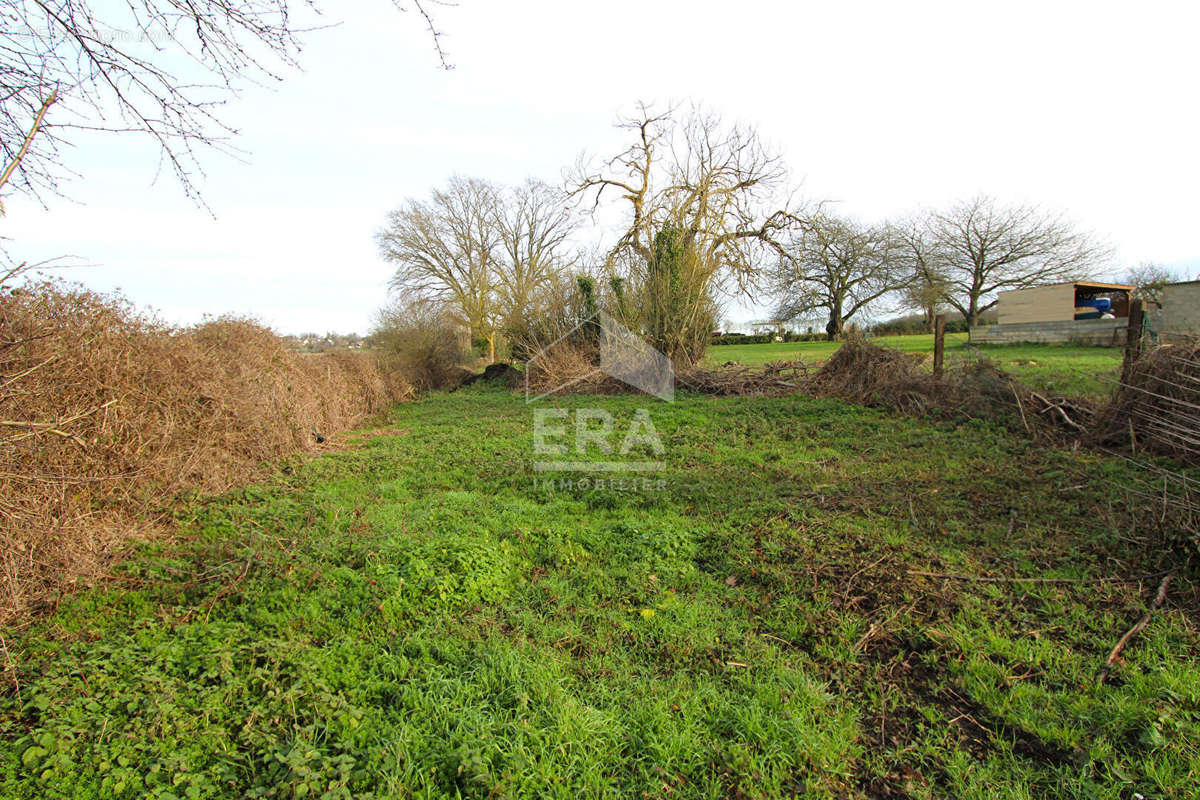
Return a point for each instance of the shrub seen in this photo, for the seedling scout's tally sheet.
(916, 324)
(107, 415)
(793, 336)
(421, 340)
(678, 310)
(742, 338)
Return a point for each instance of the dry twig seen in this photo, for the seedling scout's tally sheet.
(1159, 598)
(990, 579)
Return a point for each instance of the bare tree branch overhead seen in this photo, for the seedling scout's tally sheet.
(160, 69)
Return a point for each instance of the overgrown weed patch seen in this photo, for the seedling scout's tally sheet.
(417, 617)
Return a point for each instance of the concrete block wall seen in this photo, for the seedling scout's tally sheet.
(1180, 310)
(1103, 332)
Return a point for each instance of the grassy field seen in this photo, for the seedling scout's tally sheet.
(1069, 370)
(819, 351)
(420, 616)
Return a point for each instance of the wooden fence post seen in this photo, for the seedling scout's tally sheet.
(1133, 338)
(939, 344)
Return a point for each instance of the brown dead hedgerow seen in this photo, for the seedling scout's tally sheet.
(107, 414)
(421, 339)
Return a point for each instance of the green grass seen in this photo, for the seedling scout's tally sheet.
(419, 617)
(819, 351)
(1069, 370)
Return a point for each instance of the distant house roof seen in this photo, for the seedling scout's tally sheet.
(1104, 287)
(1094, 285)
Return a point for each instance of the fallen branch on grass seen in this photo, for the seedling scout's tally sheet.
(879, 627)
(1159, 598)
(1020, 406)
(775, 378)
(1053, 406)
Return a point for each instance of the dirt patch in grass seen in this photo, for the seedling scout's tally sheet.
(500, 373)
(914, 682)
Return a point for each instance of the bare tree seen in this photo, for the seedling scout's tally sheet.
(160, 69)
(705, 204)
(835, 266)
(983, 247)
(535, 226)
(447, 248)
(920, 270)
(491, 253)
(1150, 278)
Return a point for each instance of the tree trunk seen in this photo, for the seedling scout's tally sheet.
(972, 315)
(835, 326)
(833, 329)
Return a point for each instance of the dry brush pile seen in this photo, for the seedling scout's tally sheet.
(1156, 412)
(867, 374)
(107, 415)
(1157, 405)
(777, 377)
(858, 372)
(569, 367)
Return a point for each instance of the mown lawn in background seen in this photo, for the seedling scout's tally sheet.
(820, 351)
(1067, 370)
(417, 616)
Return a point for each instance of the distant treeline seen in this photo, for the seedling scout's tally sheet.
(907, 325)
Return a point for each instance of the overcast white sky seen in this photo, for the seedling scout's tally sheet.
(1086, 107)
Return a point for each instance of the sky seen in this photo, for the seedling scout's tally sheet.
(882, 108)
